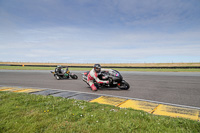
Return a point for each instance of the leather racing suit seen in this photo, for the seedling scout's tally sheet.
(58, 71)
(94, 76)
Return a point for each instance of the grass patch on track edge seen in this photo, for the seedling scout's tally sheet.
(21, 112)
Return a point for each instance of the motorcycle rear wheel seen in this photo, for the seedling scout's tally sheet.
(123, 85)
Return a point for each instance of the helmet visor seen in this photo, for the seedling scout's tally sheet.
(98, 70)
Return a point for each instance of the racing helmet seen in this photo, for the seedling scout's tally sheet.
(97, 68)
(59, 66)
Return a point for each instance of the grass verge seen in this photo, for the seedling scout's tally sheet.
(87, 69)
(20, 112)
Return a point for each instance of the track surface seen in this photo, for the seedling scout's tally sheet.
(170, 87)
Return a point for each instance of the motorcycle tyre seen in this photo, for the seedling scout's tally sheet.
(74, 76)
(123, 85)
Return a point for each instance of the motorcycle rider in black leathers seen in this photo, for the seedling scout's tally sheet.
(58, 70)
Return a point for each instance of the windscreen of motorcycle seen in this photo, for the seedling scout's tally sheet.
(115, 73)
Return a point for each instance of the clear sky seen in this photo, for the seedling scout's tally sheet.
(100, 31)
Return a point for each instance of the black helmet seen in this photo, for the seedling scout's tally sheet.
(97, 68)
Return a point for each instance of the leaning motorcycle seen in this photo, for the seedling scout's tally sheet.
(114, 77)
(64, 75)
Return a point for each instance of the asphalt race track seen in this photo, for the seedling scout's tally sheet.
(168, 87)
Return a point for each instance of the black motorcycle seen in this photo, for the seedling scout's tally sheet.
(115, 78)
(64, 74)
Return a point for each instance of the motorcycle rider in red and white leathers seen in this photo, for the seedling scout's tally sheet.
(93, 75)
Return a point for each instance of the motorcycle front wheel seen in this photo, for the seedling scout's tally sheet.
(123, 85)
(74, 76)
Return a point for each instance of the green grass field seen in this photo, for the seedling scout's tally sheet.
(21, 112)
(87, 69)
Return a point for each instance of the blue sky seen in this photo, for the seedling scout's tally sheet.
(100, 31)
